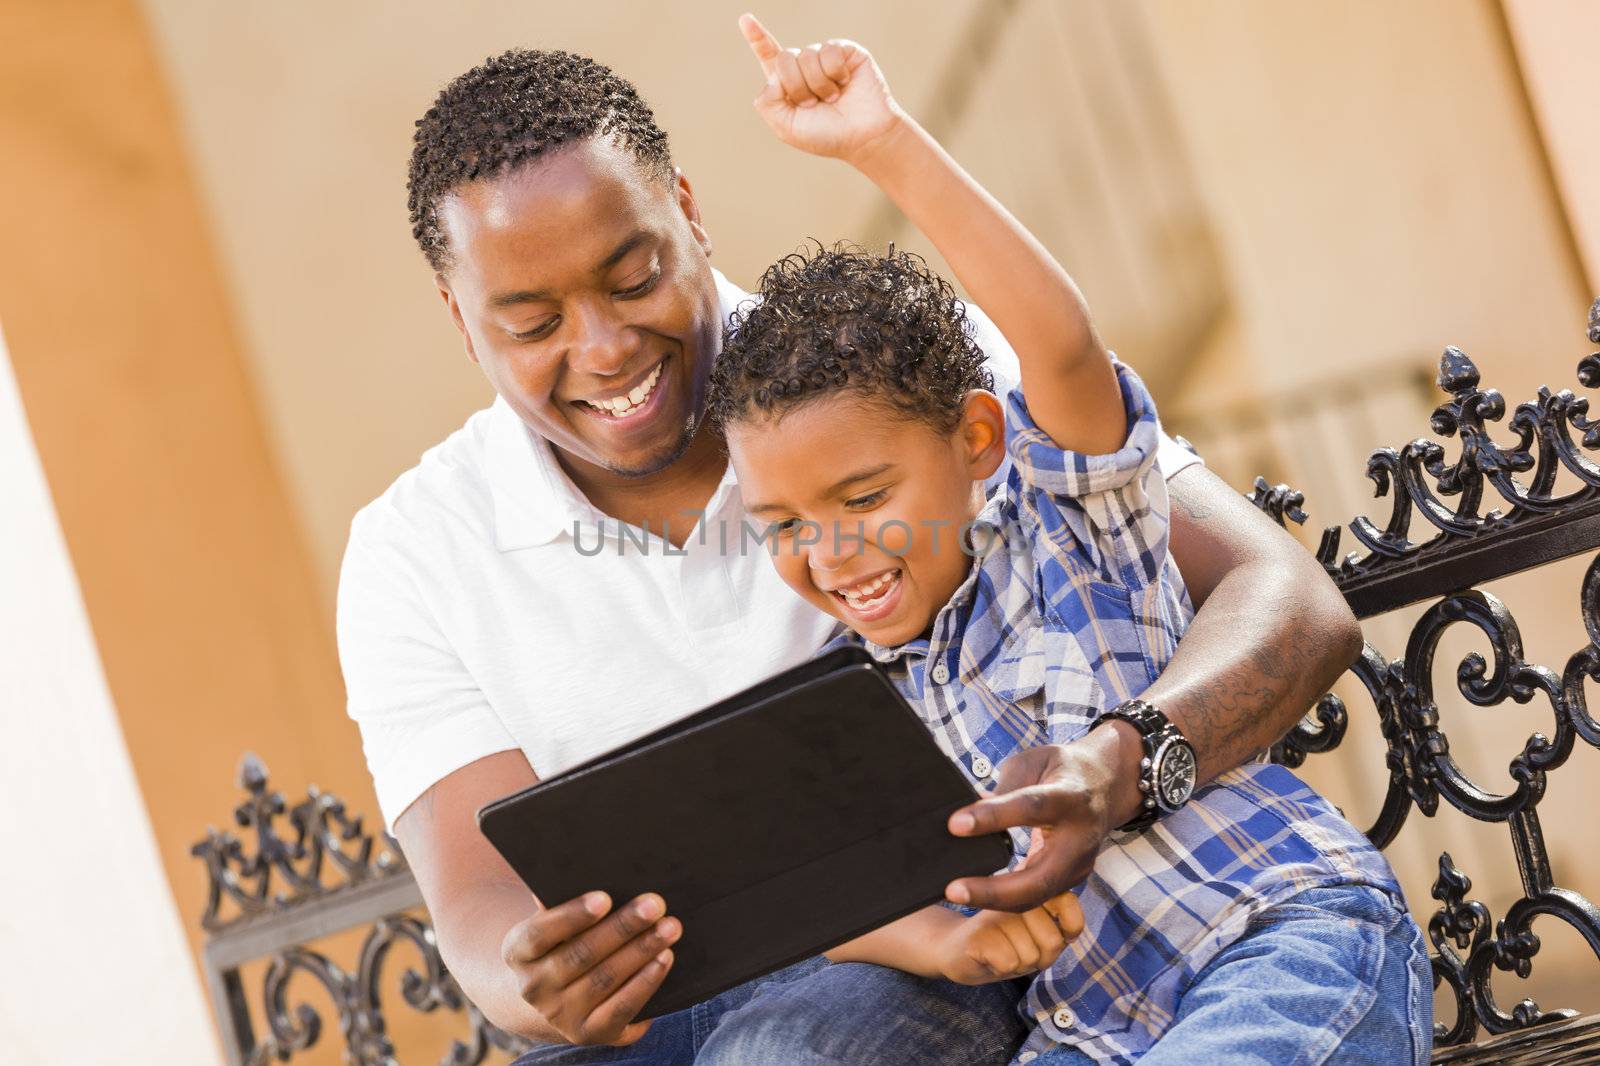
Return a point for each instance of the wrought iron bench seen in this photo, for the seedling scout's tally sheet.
(273, 898)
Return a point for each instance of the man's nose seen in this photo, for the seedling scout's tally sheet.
(602, 344)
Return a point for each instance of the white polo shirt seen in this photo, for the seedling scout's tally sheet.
(470, 622)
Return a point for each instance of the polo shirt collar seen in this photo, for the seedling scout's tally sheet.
(534, 500)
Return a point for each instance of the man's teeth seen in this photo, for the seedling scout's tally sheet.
(626, 405)
(862, 595)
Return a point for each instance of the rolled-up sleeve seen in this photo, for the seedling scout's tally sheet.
(1122, 495)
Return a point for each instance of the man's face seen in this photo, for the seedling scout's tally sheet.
(581, 286)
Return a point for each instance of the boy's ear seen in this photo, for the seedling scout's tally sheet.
(983, 433)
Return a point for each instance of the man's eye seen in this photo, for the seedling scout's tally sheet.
(872, 499)
(785, 528)
(643, 287)
(543, 329)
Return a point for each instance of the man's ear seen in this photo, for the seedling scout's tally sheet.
(983, 433)
(449, 297)
(691, 210)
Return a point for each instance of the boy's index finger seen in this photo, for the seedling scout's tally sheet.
(762, 43)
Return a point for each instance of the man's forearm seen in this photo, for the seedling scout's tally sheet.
(1251, 664)
(470, 943)
(1271, 635)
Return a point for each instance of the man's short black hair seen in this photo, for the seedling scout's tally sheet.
(844, 320)
(513, 108)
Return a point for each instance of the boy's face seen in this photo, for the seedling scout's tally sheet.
(868, 504)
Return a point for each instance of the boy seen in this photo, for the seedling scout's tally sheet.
(1247, 922)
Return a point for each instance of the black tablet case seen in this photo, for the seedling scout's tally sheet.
(776, 824)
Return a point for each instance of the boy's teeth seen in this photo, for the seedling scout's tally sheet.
(859, 596)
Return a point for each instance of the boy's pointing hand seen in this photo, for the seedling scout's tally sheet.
(827, 99)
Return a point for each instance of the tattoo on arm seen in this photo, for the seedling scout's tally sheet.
(1232, 715)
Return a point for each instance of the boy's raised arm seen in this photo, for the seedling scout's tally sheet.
(832, 100)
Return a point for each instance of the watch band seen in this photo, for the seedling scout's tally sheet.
(1162, 741)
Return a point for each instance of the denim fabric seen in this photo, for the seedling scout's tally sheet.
(818, 1013)
(1335, 976)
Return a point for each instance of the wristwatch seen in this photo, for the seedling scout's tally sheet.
(1167, 771)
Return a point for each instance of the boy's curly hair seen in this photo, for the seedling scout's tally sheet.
(842, 319)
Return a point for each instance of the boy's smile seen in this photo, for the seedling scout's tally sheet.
(875, 542)
(870, 599)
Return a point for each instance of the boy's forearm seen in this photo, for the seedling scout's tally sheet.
(1004, 267)
(905, 944)
(1015, 280)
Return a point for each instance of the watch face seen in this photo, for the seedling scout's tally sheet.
(1175, 774)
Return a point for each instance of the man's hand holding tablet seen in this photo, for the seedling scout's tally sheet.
(589, 968)
(784, 821)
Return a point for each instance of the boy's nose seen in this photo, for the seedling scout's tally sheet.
(832, 548)
(825, 562)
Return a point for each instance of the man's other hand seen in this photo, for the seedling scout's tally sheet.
(1072, 796)
(589, 971)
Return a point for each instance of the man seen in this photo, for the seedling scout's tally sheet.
(483, 649)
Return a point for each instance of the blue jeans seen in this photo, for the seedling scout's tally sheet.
(1333, 975)
(818, 1013)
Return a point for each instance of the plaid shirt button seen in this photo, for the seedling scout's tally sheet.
(1064, 1018)
(981, 767)
(941, 676)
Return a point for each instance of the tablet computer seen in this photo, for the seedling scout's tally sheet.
(780, 822)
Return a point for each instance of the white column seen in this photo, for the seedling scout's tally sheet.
(96, 965)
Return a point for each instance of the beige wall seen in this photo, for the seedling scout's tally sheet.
(1556, 45)
(1375, 183)
(202, 599)
(94, 899)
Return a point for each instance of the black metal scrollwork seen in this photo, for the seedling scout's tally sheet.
(249, 878)
(358, 1005)
(326, 855)
(1450, 495)
(1470, 947)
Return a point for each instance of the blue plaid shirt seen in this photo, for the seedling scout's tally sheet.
(1072, 606)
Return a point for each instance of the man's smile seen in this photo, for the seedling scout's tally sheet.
(628, 403)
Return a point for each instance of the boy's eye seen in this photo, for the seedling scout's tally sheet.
(786, 527)
(871, 499)
(643, 287)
